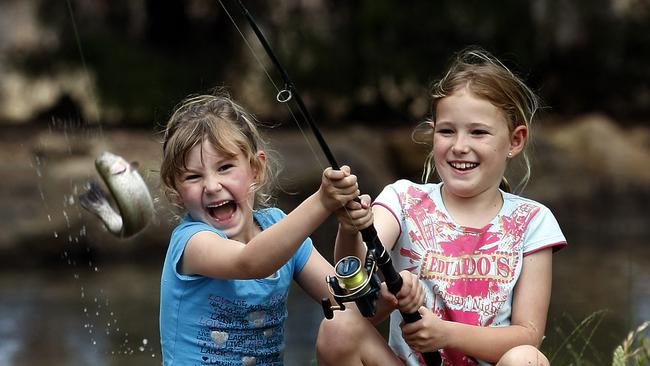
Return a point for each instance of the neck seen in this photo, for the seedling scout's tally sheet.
(476, 211)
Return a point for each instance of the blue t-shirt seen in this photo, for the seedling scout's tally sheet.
(213, 321)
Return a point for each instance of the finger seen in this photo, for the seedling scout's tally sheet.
(387, 295)
(345, 181)
(346, 169)
(333, 174)
(365, 200)
(354, 206)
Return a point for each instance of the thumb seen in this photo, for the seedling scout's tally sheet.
(388, 296)
(365, 200)
(345, 169)
(423, 311)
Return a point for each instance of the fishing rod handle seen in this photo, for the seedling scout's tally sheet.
(394, 282)
(393, 279)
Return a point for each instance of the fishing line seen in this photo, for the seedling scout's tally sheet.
(277, 89)
(103, 324)
(86, 73)
(280, 93)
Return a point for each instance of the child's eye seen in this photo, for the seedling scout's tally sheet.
(225, 167)
(445, 131)
(191, 177)
(480, 132)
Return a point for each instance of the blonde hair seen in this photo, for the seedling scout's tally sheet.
(229, 128)
(486, 77)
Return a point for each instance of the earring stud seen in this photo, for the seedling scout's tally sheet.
(509, 154)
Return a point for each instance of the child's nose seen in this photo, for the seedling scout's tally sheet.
(460, 145)
(212, 184)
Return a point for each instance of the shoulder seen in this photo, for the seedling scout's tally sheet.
(518, 202)
(541, 227)
(186, 229)
(187, 223)
(404, 185)
(268, 216)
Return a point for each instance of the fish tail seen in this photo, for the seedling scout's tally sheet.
(96, 201)
(94, 197)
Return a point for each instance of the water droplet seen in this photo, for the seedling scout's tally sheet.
(67, 220)
(56, 235)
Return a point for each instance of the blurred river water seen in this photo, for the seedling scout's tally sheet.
(108, 315)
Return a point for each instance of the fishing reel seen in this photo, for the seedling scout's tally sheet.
(353, 282)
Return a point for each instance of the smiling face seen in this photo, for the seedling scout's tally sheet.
(471, 143)
(216, 189)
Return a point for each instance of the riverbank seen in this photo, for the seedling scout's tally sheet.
(589, 171)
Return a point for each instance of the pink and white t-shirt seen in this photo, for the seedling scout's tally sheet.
(469, 273)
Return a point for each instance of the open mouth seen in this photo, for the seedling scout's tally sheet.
(222, 211)
(463, 166)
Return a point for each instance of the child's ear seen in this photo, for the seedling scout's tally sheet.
(518, 139)
(260, 155)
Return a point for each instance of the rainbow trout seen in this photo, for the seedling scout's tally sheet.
(129, 191)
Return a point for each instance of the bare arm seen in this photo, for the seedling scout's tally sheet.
(312, 277)
(211, 255)
(529, 310)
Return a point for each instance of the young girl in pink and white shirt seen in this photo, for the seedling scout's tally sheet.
(483, 255)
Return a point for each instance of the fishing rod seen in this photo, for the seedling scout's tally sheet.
(353, 281)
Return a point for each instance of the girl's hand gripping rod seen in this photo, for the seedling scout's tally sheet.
(363, 280)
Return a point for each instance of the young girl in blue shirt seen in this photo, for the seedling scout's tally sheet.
(232, 257)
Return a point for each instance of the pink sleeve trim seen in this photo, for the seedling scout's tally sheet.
(394, 215)
(556, 247)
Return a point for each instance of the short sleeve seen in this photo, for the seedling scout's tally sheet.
(543, 232)
(178, 241)
(389, 199)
